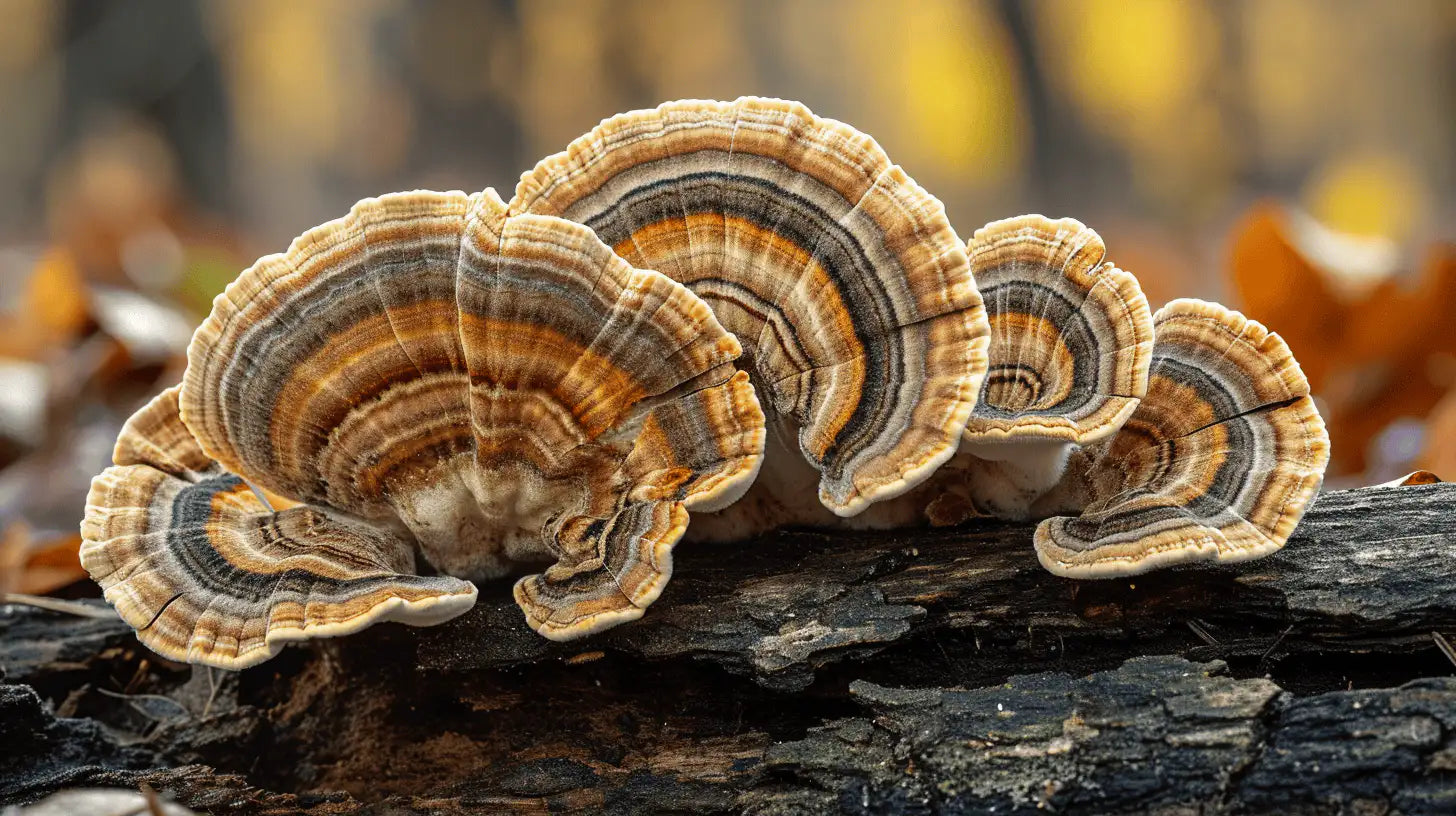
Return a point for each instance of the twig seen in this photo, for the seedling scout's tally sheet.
(1277, 641)
(261, 496)
(137, 677)
(1445, 646)
(1202, 633)
(132, 698)
(212, 694)
(1275, 644)
(81, 610)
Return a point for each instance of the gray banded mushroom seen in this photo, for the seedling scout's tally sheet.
(842, 277)
(207, 572)
(428, 376)
(1071, 339)
(1217, 462)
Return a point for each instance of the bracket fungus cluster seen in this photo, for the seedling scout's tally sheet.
(449, 388)
(428, 375)
(861, 325)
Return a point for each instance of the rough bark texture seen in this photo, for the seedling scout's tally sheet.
(915, 672)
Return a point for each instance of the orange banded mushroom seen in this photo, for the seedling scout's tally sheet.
(1218, 461)
(841, 276)
(499, 391)
(206, 572)
(1071, 339)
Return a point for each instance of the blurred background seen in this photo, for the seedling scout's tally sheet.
(1293, 158)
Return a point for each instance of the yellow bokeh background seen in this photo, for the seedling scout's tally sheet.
(1167, 114)
(161, 146)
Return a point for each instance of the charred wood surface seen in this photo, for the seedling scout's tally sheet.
(909, 672)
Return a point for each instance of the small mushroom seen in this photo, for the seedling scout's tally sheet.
(1217, 462)
(842, 277)
(1071, 339)
(496, 391)
(206, 572)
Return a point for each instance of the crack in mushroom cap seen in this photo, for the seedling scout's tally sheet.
(1218, 462)
(504, 388)
(841, 276)
(207, 573)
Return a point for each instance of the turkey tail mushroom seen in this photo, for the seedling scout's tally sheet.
(499, 391)
(842, 277)
(1071, 340)
(206, 572)
(1218, 461)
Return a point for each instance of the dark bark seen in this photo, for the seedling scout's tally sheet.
(1368, 569)
(1158, 734)
(809, 673)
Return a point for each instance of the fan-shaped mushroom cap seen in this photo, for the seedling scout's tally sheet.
(207, 573)
(505, 388)
(1217, 462)
(841, 276)
(1071, 338)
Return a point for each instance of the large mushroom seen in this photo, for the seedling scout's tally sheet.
(842, 278)
(206, 572)
(430, 375)
(1071, 339)
(1218, 461)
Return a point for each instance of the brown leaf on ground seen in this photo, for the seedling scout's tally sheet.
(49, 311)
(1440, 453)
(1377, 347)
(35, 564)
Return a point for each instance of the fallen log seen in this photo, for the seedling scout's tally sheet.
(1367, 570)
(908, 672)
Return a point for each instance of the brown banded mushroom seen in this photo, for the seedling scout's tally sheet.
(1218, 461)
(430, 375)
(207, 572)
(1071, 339)
(842, 277)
